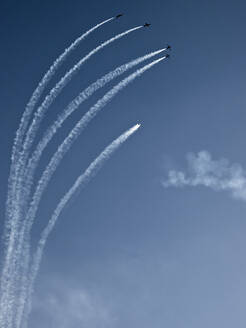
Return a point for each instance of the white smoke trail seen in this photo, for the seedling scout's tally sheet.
(81, 181)
(20, 166)
(36, 96)
(39, 115)
(42, 84)
(74, 134)
(54, 93)
(67, 143)
(10, 221)
(50, 132)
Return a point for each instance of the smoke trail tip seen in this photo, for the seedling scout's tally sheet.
(161, 58)
(135, 127)
(109, 19)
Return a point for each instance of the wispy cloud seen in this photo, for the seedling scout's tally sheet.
(218, 175)
(69, 307)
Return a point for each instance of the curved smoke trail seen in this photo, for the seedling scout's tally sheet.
(81, 181)
(20, 166)
(50, 132)
(25, 119)
(74, 134)
(9, 235)
(65, 146)
(42, 84)
(31, 133)
(39, 115)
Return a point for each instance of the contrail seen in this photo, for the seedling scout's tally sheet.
(81, 181)
(18, 143)
(85, 94)
(74, 134)
(47, 102)
(20, 265)
(50, 132)
(21, 162)
(67, 143)
(38, 92)
(42, 84)
(30, 107)
(54, 93)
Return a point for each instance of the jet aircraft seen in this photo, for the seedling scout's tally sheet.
(146, 25)
(118, 16)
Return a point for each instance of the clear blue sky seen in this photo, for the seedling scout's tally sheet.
(128, 252)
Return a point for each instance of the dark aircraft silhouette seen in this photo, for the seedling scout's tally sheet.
(118, 16)
(169, 47)
(146, 25)
(167, 56)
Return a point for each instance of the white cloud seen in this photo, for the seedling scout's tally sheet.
(69, 307)
(218, 175)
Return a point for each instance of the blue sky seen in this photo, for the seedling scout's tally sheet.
(127, 251)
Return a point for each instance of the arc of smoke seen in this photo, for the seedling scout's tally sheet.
(17, 146)
(31, 133)
(42, 84)
(39, 115)
(65, 146)
(74, 134)
(50, 132)
(20, 166)
(49, 100)
(25, 119)
(85, 94)
(81, 181)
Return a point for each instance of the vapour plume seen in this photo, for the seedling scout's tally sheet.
(50, 132)
(20, 214)
(219, 175)
(10, 221)
(30, 136)
(43, 83)
(25, 119)
(74, 104)
(69, 140)
(81, 181)
(65, 146)
(74, 134)
(39, 115)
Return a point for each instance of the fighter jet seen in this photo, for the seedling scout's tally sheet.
(169, 47)
(146, 25)
(167, 56)
(118, 16)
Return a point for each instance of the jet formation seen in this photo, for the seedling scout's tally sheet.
(168, 47)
